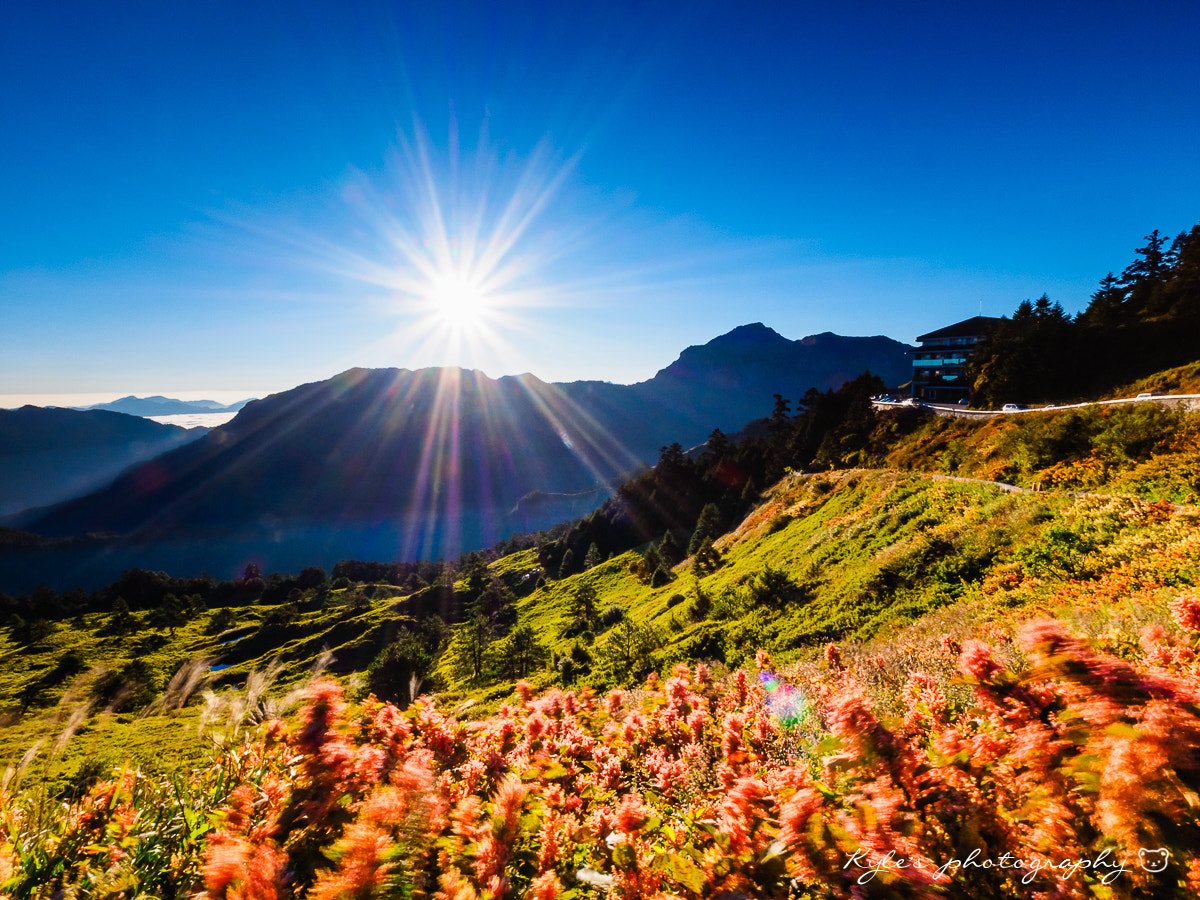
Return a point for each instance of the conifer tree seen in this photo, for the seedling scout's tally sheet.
(568, 564)
(707, 528)
(592, 558)
(470, 648)
(583, 604)
(669, 551)
(704, 555)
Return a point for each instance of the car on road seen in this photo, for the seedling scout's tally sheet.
(1013, 407)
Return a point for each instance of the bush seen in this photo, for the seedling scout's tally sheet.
(701, 606)
(778, 522)
(223, 619)
(130, 687)
(611, 616)
(69, 664)
(772, 587)
(575, 627)
(282, 615)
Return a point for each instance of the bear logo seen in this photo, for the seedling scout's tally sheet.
(1154, 860)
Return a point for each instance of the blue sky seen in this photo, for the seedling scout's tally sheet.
(226, 199)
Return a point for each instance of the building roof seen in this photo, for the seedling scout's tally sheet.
(973, 327)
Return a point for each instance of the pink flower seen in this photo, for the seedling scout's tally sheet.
(731, 736)
(544, 887)
(833, 656)
(978, 663)
(536, 725)
(631, 814)
(612, 703)
(1187, 612)
(238, 870)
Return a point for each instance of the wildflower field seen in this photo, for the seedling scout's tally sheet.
(884, 684)
(1044, 769)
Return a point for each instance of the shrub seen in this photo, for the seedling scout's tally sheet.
(222, 620)
(611, 616)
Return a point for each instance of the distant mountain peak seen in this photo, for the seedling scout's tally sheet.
(755, 331)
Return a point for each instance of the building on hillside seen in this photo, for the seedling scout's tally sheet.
(939, 375)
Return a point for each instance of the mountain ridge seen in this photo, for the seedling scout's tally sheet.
(159, 405)
(399, 463)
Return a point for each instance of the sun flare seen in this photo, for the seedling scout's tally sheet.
(458, 299)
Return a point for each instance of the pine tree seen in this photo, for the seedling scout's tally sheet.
(470, 648)
(523, 653)
(583, 603)
(717, 444)
(568, 564)
(669, 551)
(704, 555)
(121, 620)
(592, 558)
(707, 528)
(1144, 276)
(1106, 309)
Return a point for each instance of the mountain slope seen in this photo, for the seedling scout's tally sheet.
(392, 463)
(51, 455)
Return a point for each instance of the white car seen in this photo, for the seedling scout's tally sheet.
(1012, 407)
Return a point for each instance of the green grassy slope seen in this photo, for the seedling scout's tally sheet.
(860, 555)
(873, 558)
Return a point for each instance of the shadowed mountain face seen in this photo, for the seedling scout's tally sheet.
(391, 463)
(51, 455)
(733, 378)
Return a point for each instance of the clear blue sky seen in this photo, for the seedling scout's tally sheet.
(233, 198)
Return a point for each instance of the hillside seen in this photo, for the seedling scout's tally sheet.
(860, 599)
(854, 556)
(1143, 450)
(51, 455)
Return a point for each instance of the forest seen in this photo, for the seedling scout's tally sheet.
(1145, 320)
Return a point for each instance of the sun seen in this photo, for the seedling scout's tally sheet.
(458, 299)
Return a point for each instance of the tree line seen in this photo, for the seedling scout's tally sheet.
(1143, 321)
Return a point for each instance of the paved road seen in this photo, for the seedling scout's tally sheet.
(1177, 401)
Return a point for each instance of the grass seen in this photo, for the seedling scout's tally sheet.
(876, 559)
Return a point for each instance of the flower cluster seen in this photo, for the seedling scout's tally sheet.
(750, 787)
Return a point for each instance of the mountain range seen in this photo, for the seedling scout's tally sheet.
(400, 464)
(164, 406)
